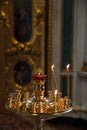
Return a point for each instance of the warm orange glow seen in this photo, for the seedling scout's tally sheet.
(56, 92)
(52, 67)
(67, 67)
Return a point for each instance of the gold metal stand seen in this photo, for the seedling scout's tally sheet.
(37, 107)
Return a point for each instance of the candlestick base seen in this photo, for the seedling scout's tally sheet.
(38, 118)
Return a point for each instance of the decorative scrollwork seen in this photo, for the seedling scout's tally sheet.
(4, 14)
(31, 51)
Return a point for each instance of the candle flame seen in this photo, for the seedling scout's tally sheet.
(52, 67)
(56, 91)
(67, 67)
(39, 73)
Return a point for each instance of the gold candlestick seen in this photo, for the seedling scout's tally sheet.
(68, 91)
(54, 77)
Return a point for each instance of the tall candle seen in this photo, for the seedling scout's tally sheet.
(54, 77)
(68, 91)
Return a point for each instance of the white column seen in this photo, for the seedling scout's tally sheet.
(85, 46)
(79, 53)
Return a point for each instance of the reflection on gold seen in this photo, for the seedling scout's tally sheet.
(3, 13)
(35, 102)
(5, 2)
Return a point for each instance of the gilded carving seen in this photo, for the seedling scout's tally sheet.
(32, 51)
(4, 14)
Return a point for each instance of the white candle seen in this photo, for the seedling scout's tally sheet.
(68, 91)
(54, 77)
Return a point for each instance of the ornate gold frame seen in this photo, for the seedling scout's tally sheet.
(32, 51)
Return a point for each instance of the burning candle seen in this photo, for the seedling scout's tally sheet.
(67, 69)
(55, 95)
(54, 77)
